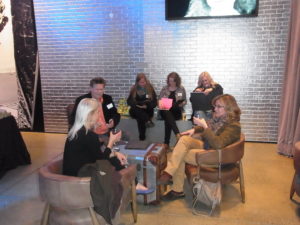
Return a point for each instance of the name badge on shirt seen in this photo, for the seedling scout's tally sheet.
(179, 94)
(109, 106)
(147, 96)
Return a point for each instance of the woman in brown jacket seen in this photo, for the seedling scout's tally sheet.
(222, 130)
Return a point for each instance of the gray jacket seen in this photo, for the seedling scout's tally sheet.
(106, 188)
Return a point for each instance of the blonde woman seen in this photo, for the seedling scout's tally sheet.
(83, 145)
(209, 89)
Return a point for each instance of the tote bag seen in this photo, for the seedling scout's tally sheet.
(207, 192)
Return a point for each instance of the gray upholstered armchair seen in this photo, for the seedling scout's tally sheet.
(68, 199)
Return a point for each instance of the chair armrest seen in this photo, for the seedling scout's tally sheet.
(209, 157)
(230, 154)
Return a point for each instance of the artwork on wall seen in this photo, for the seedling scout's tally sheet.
(190, 9)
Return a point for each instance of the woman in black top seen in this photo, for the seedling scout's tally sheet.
(173, 90)
(83, 145)
(210, 90)
(142, 101)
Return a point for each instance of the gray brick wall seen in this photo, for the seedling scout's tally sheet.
(81, 39)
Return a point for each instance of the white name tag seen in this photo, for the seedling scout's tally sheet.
(147, 96)
(109, 106)
(179, 94)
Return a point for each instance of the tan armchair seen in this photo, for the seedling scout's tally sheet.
(295, 187)
(68, 199)
(232, 168)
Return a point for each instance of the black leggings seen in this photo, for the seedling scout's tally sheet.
(170, 117)
(142, 116)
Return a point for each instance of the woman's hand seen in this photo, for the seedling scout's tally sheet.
(200, 122)
(142, 106)
(199, 90)
(110, 123)
(207, 91)
(122, 158)
(160, 105)
(188, 132)
(113, 138)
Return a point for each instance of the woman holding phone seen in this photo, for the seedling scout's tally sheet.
(220, 131)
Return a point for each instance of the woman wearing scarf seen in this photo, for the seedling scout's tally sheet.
(142, 101)
(222, 130)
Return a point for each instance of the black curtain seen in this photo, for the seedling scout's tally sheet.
(25, 46)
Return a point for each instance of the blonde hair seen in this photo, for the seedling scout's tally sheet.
(209, 78)
(231, 107)
(85, 108)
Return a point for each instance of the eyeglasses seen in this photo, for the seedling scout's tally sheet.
(219, 106)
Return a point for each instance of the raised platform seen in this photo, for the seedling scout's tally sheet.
(154, 134)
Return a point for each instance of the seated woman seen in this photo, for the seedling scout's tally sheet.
(142, 101)
(222, 130)
(209, 89)
(83, 145)
(173, 90)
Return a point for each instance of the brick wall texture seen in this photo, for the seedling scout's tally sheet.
(82, 39)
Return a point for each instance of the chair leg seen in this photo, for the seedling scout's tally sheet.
(292, 191)
(242, 184)
(93, 216)
(45, 216)
(133, 201)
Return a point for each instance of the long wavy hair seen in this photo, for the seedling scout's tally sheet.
(149, 87)
(231, 107)
(208, 77)
(85, 109)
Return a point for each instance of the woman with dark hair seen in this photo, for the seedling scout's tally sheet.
(142, 101)
(222, 130)
(175, 91)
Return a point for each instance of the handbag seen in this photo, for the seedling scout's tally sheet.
(207, 192)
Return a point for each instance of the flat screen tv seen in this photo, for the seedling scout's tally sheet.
(190, 9)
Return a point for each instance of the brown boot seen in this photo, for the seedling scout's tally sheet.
(164, 178)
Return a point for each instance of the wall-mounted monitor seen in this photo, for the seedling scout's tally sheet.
(190, 9)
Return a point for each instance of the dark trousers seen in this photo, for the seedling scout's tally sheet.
(170, 117)
(142, 116)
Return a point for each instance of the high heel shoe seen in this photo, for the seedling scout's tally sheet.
(141, 189)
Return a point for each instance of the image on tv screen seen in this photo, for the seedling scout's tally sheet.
(186, 9)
